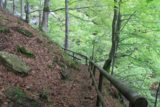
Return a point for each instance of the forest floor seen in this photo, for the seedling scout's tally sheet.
(46, 67)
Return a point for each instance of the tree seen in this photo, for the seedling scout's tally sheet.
(46, 12)
(1, 3)
(14, 7)
(40, 14)
(22, 8)
(27, 11)
(5, 4)
(66, 24)
(116, 25)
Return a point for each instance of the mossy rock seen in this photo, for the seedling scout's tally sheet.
(4, 30)
(24, 32)
(12, 62)
(24, 51)
(20, 99)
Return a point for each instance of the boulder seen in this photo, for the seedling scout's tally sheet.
(14, 63)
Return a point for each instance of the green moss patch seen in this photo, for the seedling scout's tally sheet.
(14, 63)
(20, 98)
(24, 32)
(4, 30)
(24, 51)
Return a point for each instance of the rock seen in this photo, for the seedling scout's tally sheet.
(19, 98)
(12, 62)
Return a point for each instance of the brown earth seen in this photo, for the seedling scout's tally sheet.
(76, 91)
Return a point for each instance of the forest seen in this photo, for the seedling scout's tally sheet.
(119, 37)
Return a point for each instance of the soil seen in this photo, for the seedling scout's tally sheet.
(75, 91)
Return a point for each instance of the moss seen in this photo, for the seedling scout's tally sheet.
(14, 63)
(24, 32)
(71, 63)
(15, 93)
(20, 98)
(24, 51)
(4, 30)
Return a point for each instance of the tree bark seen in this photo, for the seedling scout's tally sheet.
(66, 24)
(14, 7)
(157, 94)
(27, 11)
(1, 3)
(40, 15)
(116, 25)
(45, 16)
(5, 4)
(22, 8)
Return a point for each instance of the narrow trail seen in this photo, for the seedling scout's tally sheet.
(77, 91)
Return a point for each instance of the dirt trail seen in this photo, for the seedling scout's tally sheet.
(76, 91)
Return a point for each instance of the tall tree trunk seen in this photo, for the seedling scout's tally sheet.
(27, 11)
(45, 16)
(1, 3)
(14, 7)
(40, 15)
(22, 8)
(116, 24)
(66, 24)
(157, 94)
(5, 4)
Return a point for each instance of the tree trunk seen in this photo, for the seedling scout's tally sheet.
(1, 3)
(66, 24)
(22, 8)
(45, 16)
(116, 24)
(14, 7)
(5, 4)
(157, 94)
(27, 11)
(40, 15)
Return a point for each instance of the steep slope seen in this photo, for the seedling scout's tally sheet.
(44, 82)
(52, 79)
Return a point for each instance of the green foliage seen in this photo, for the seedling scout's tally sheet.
(69, 62)
(24, 51)
(137, 57)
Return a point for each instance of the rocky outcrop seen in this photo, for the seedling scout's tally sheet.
(14, 63)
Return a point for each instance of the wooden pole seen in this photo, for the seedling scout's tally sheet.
(100, 89)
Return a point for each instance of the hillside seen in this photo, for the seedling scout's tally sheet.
(50, 79)
(44, 79)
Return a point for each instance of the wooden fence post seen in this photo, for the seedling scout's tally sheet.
(73, 56)
(86, 60)
(100, 89)
(94, 73)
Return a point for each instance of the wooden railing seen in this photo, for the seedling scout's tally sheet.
(135, 100)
